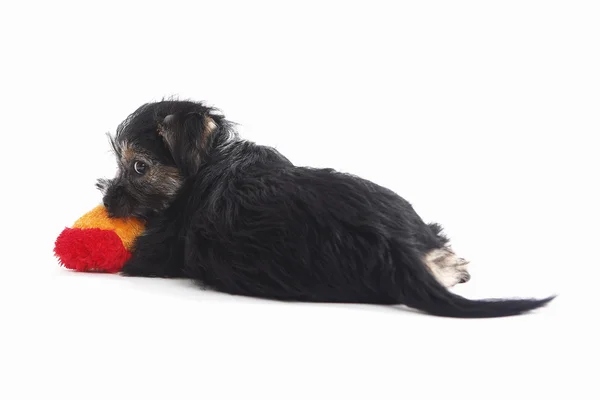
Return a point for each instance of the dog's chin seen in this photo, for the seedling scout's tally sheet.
(118, 214)
(127, 212)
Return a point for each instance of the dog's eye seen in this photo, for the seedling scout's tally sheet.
(139, 167)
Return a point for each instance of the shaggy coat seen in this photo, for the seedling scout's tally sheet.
(242, 219)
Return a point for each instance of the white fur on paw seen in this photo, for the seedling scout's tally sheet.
(447, 267)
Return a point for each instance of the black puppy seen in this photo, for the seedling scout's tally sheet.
(242, 219)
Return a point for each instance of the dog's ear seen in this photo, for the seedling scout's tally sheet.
(188, 138)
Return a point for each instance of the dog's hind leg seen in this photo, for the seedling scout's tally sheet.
(447, 267)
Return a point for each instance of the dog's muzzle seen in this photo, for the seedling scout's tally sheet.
(115, 201)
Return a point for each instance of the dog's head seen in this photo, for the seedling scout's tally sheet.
(157, 148)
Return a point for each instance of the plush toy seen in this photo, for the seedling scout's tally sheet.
(97, 242)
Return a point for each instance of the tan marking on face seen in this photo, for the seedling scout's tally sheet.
(127, 152)
(165, 179)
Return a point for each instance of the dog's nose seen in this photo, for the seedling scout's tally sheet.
(107, 205)
(465, 277)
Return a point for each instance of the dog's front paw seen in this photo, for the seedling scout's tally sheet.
(144, 267)
(134, 268)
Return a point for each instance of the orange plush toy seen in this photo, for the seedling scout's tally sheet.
(97, 242)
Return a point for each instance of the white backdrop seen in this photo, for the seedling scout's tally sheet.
(483, 114)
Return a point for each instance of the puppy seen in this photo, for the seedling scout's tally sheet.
(242, 219)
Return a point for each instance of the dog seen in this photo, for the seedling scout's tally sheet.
(240, 218)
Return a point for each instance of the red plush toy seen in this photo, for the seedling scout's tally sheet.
(97, 242)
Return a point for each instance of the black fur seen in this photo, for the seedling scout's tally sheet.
(246, 221)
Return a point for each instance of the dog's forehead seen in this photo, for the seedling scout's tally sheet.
(147, 144)
(128, 150)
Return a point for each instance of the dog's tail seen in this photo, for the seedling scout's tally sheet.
(420, 290)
